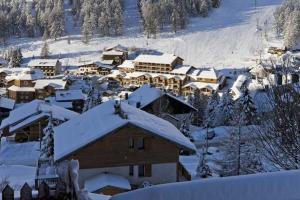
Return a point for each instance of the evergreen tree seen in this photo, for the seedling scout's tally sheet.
(47, 146)
(247, 108)
(226, 108)
(199, 101)
(87, 29)
(45, 50)
(212, 110)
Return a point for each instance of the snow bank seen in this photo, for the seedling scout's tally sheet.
(268, 186)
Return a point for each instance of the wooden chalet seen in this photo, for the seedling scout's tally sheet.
(162, 104)
(164, 63)
(21, 85)
(28, 121)
(118, 54)
(120, 139)
(50, 67)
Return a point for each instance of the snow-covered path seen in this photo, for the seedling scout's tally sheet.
(226, 39)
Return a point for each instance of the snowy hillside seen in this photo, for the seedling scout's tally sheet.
(228, 38)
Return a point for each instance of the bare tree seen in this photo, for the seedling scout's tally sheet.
(279, 133)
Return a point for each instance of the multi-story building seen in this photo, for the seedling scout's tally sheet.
(118, 54)
(164, 63)
(21, 85)
(134, 144)
(50, 67)
(207, 81)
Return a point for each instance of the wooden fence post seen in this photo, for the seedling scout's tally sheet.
(7, 193)
(26, 192)
(43, 191)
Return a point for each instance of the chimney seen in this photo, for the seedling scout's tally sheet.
(138, 104)
(126, 96)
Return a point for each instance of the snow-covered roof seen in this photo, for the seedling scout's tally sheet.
(21, 89)
(64, 104)
(181, 69)
(146, 94)
(69, 95)
(265, 186)
(43, 62)
(101, 120)
(127, 64)
(236, 88)
(209, 74)
(58, 84)
(116, 47)
(104, 179)
(167, 59)
(7, 103)
(112, 53)
(34, 110)
(26, 74)
(201, 85)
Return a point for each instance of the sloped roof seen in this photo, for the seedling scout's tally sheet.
(69, 95)
(101, 120)
(26, 74)
(127, 64)
(201, 85)
(7, 103)
(58, 84)
(42, 62)
(209, 74)
(34, 108)
(157, 59)
(146, 94)
(104, 180)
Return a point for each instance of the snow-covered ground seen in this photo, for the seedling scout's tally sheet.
(17, 175)
(19, 153)
(228, 38)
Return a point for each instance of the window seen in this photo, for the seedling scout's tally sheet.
(145, 170)
(131, 143)
(141, 143)
(131, 168)
(141, 170)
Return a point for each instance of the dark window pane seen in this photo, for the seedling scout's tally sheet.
(141, 170)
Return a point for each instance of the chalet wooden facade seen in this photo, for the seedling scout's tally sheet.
(167, 71)
(28, 121)
(157, 63)
(161, 104)
(50, 67)
(21, 87)
(127, 148)
(117, 54)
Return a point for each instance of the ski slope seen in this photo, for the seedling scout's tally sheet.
(228, 38)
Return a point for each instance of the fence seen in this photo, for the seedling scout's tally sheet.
(43, 192)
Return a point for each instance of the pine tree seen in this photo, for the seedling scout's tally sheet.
(47, 146)
(199, 101)
(57, 22)
(29, 22)
(247, 108)
(87, 29)
(212, 110)
(45, 50)
(227, 108)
